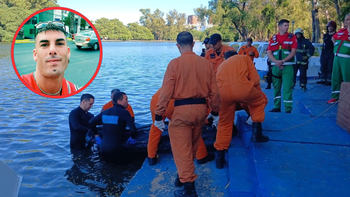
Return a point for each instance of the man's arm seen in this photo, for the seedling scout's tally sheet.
(273, 59)
(95, 121)
(311, 48)
(166, 91)
(130, 122)
(253, 74)
(75, 122)
(290, 56)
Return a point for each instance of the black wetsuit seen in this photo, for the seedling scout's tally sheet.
(114, 122)
(79, 126)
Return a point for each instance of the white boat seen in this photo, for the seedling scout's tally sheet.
(261, 61)
(10, 182)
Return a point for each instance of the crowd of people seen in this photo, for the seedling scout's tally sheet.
(212, 85)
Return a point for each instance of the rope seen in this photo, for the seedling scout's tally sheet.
(312, 118)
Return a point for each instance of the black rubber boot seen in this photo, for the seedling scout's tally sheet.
(178, 183)
(268, 86)
(275, 110)
(206, 159)
(220, 159)
(152, 161)
(188, 191)
(257, 135)
(321, 82)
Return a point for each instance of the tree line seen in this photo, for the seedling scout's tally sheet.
(235, 20)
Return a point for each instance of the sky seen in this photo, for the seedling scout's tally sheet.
(128, 11)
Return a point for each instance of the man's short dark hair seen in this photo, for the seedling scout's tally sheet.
(115, 91)
(283, 21)
(249, 39)
(118, 97)
(86, 97)
(184, 38)
(230, 54)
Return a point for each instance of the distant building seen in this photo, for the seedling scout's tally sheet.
(194, 21)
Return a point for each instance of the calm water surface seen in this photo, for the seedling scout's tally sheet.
(34, 132)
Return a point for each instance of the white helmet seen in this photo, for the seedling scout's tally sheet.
(299, 31)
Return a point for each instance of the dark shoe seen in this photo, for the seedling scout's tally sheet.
(220, 159)
(206, 159)
(288, 112)
(321, 82)
(304, 88)
(178, 183)
(152, 161)
(275, 110)
(188, 191)
(268, 87)
(257, 135)
(328, 83)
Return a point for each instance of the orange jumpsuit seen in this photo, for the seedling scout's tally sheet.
(238, 82)
(110, 105)
(189, 80)
(216, 59)
(244, 50)
(155, 134)
(67, 86)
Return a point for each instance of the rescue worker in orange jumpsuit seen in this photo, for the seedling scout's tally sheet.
(249, 50)
(110, 105)
(155, 135)
(238, 82)
(189, 80)
(216, 55)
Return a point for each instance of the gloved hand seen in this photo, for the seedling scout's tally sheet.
(159, 124)
(249, 121)
(305, 57)
(131, 141)
(98, 140)
(215, 120)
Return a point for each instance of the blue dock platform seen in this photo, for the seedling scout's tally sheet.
(308, 155)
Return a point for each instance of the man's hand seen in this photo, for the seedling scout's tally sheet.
(159, 124)
(131, 141)
(215, 120)
(251, 53)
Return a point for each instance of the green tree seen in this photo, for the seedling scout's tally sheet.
(154, 22)
(139, 32)
(14, 12)
(112, 29)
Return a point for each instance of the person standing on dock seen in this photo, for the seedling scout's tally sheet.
(189, 80)
(206, 45)
(238, 82)
(327, 55)
(155, 134)
(79, 122)
(249, 50)
(281, 51)
(341, 62)
(304, 51)
(216, 55)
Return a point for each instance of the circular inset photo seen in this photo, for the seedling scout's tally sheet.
(56, 52)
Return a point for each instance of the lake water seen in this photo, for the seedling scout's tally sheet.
(34, 132)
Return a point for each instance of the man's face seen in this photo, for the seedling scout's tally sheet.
(330, 28)
(87, 104)
(284, 28)
(249, 43)
(217, 46)
(207, 46)
(51, 53)
(124, 102)
(347, 21)
(298, 35)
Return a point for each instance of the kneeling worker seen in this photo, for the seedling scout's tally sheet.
(238, 82)
(155, 134)
(114, 122)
